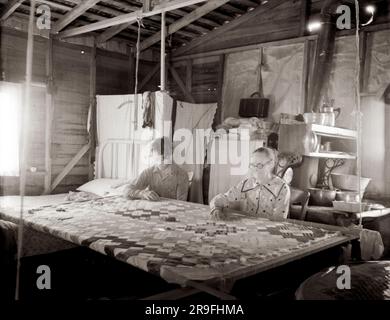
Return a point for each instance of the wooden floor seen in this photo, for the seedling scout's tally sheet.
(82, 274)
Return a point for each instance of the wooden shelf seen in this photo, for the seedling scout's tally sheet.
(331, 155)
(334, 132)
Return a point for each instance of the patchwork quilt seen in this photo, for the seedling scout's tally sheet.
(177, 240)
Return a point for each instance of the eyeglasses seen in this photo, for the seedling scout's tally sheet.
(259, 165)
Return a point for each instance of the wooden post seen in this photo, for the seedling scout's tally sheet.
(163, 69)
(93, 122)
(189, 75)
(49, 114)
(305, 76)
(221, 72)
(365, 59)
(132, 70)
(305, 12)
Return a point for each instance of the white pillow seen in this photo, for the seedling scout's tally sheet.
(103, 187)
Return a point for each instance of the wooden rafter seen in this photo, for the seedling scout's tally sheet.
(196, 28)
(129, 17)
(9, 9)
(247, 3)
(73, 14)
(209, 22)
(233, 24)
(112, 32)
(183, 22)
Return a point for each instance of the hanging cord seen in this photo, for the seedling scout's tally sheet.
(140, 24)
(358, 111)
(133, 125)
(23, 143)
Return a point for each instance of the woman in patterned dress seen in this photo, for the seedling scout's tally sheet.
(261, 194)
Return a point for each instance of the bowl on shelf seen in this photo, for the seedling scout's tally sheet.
(349, 182)
(322, 197)
(347, 196)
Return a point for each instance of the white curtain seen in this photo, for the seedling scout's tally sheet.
(119, 119)
(192, 117)
(10, 112)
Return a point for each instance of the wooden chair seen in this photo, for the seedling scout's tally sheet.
(299, 201)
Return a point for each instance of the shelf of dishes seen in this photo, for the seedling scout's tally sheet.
(333, 132)
(306, 140)
(331, 155)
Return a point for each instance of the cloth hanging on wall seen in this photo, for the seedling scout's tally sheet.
(119, 119)
(191, 117)
(163, 114)
(281, 78)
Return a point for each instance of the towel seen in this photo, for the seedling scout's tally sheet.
(371, 245)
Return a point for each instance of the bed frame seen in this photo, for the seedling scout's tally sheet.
(113, 146)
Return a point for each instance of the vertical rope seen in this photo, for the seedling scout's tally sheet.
(358, 111)
(134, 122)
(23, 140)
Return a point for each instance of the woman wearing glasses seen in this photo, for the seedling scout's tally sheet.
(261, 194)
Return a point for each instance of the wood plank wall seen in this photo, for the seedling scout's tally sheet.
(71, 65)
(202, 78)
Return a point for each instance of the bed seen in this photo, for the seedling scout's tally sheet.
(176, 240)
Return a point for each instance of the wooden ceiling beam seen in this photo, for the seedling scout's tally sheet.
(209, 22)
(9, 9)
(106, 9)
(185, 21)
(247, 3)
(129, 17)
(198, 29)
(73, 15)
(270, 5)
(112, 32)
(217, 15)
(233, 9)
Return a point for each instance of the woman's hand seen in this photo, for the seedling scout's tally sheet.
(217, 214)
(150, 195)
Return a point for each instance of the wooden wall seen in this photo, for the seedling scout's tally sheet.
(71, 71)
(200, 77)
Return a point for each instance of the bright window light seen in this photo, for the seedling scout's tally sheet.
(9, 130)
(370, 9)
(314, 26)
